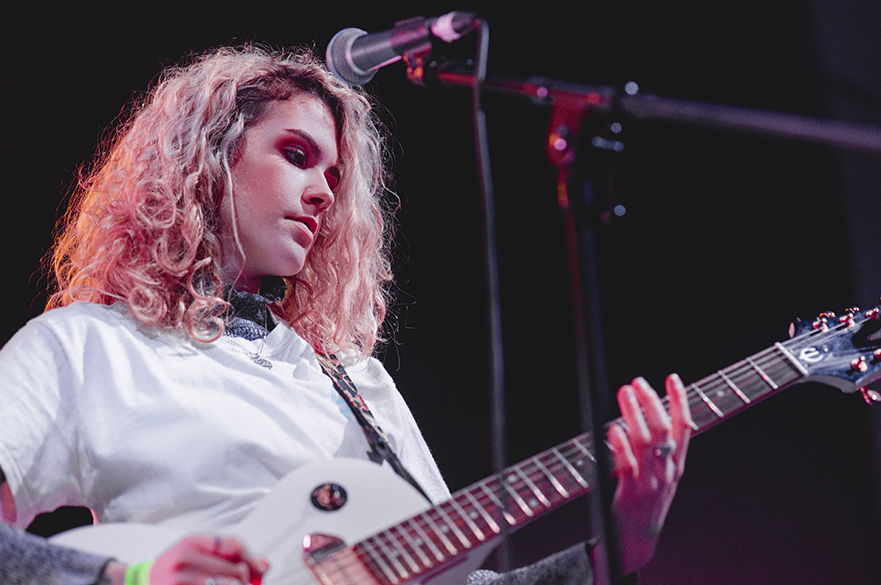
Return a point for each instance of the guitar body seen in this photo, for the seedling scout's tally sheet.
(375, 499)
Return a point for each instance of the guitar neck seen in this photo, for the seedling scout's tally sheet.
(730, 390)
(484, 510)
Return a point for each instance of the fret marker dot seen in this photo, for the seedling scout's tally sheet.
(579, 463)
(445, 528)
(533, 503)
(474, 515)
(511, 479)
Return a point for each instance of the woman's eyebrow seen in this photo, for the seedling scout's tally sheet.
(307, 138)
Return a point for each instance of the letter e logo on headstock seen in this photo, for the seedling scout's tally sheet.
(811, 355)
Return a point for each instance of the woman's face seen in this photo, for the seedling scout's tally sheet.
(283, 183)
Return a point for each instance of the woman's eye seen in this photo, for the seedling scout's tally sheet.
(296, 156)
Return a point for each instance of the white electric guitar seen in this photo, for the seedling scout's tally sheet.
(342, 522)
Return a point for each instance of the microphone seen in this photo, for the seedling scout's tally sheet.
(354, 56)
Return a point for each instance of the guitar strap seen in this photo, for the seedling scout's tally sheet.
(251, 318)
(379, 444)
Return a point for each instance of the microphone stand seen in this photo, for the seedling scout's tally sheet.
(575, 197)
(837, 133)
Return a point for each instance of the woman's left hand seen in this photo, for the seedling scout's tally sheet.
(649, 461)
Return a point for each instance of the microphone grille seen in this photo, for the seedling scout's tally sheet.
(339, 58)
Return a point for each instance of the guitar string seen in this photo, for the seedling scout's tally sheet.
(736, 371)
(542, 479)
(539, 477)
(836, 331)
(377, 539)
(450, 512)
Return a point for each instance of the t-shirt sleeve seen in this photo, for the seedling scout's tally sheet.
(38, 451)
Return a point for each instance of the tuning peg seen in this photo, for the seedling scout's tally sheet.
(873, 314)
(859, 364)
(870, 396)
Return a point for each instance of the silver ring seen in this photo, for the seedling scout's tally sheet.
(665, 448)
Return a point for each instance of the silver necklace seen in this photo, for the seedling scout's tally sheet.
(254, 355)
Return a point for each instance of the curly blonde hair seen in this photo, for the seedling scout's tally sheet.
(144, 225)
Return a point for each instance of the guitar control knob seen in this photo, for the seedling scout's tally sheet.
(859, 364)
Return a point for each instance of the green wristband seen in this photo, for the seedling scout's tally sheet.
(138, 574)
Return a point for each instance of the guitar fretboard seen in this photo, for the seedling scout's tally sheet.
(732, 389)
(482, 511)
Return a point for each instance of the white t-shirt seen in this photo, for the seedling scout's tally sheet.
(150, 427)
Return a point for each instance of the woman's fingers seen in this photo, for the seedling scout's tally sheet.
(680, 415)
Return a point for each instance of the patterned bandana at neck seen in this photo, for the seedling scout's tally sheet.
(249, 316)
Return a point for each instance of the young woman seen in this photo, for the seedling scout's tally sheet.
(230, 244)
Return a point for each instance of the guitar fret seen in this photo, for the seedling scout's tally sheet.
(449, 522)
(538, 494)
(388, 552)
(762, 373)
(571, 469)
(781, 366)
(347, 566)
(506, 483)
(486, 517)
(400, 551)
(709, 402)
(499, 505)
(465, 516)
(378, 560)
(423, 536)
(734, 387)
(791, 359)
(436, 530)
(412, 544)
(583, 449)
(557, 485)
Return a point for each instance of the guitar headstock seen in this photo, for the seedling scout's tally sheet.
(840, 350)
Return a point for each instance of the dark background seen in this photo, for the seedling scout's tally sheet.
(726, 238)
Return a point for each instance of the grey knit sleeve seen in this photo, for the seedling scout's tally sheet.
(26, 559)
(568, 567)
